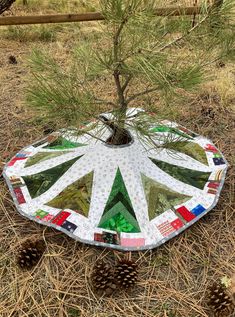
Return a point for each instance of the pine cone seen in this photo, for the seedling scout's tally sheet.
(12, 60)
(103, 279)
(126, 273)
(219, 300)
(30, 254)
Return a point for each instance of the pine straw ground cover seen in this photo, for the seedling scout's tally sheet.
(173, 279)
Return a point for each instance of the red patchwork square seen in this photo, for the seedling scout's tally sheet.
(14, 160)
(48, 218)
(177, 224)
(60, 218)
(19, 195)
(211, 148)
(98, 237)
(185, 213)
(214, 185)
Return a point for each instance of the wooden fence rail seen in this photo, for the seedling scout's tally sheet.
(90, 16)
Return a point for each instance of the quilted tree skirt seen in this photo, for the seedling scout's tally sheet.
(131, 197)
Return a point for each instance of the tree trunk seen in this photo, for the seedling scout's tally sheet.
(119, 136)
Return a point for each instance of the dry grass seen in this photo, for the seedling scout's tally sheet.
(173, 278)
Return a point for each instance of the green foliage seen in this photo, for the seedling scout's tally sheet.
(59, 93)
(58, 6)
(74, 312)
(165, 54)
(218, 33)
(25, 33)
(123, 10)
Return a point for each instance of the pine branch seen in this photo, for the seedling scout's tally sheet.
(179, 38)
(184, 35)
(142, 93)
(126, 83)
(105, 102)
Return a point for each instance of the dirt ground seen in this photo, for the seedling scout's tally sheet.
(174, 278)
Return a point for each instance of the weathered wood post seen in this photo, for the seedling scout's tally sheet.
(90, 16)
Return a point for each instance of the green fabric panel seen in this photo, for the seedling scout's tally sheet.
(38, 184)
(76, 197)
(160, 197)
(119, 208)
(62, 144)
(195, 178)
(164, 128)
(119, 213)
(118, 187)
(120, 224)
(189, 148)
(125, 202)
(43, 156)
(161, 128)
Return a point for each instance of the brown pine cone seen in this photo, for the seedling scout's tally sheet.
(219, 300)
(30, 254)
(102, 278)
(126, 273)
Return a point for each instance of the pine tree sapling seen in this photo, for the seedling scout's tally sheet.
(151, 62)
(114, 174)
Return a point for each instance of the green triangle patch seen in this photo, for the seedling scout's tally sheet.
(76, 196)
(189, 148)
(119, 214)
(160, 197)
(38, 184)
(165, 128)
(43, 156)
(119, 219)
(194, 178)
(63, 144)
